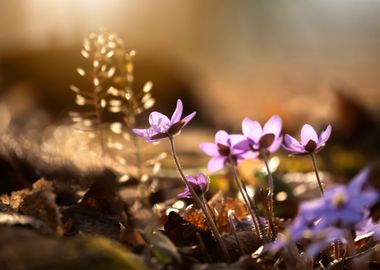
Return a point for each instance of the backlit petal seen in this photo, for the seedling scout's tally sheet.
(177, 113)
(252, 129)
(308, 133)
(222, 137)
(274, 125)
(216, 163)
(159, 122)
(325, 135)
(209, 149)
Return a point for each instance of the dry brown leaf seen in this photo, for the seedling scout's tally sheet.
(219, 206)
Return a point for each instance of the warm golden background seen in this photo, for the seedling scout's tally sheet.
(314, 61)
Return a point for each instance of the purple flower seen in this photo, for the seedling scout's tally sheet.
(200, 185)
(162, 127)
(223, 149)
(310, 142)
(325, 219)
(259, 138)
(342, 205)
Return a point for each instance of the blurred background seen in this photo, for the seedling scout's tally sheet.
(309, 61)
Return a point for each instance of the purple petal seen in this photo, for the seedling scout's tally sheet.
(192, 180)
(159, 122)
(185, 194)
(176, 117)
(242, 146)
(249, 155)
(209, 149)
(236, 138)
(292, 145)
(140, 132)
(274, 125)
(356, 184)
(324, 136)
(146, 133)
(252, 129)
(188, 118)
(216, 163)
(202, 181)
(275, 145)
(308, 133)
(222, 137)
(311, 210)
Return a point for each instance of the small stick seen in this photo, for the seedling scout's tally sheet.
(231, 213)
(317, 174)
(270, 193)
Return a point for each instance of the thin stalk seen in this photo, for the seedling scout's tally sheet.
(202, 246)
(336, 250)
(99, 124)
(314, 159)
(317, 174)
(210, 210)
(270, 192)
(233, 230)
(200, 204)
(244, 195)
(254, 208)
(136, 145)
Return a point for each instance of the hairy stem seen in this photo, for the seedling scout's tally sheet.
(254, 208)
(313, 158)
(245, 197)
(233, 230)
(200, 204)
(270, 193)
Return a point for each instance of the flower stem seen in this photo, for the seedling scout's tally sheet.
(270, 193)
(245, 197)
(200, 204)
(233, 230)
(317, 174)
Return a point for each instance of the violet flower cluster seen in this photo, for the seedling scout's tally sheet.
(340, 209)
(326, 219)
(200, 185)
(239, 147)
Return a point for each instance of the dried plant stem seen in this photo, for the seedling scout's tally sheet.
(137, 155)
(245, 197)
(98, 115)
(233, 230)
(203, 246)
(201, 204)
(313, 158)
(254, 208)
(270, 193)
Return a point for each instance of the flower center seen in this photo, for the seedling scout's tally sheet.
(339, 199)
(223, 149)
(310, 146)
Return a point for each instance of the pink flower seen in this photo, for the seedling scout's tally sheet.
(261, 138)
(309, 143)
(162, 127)
(200, 185)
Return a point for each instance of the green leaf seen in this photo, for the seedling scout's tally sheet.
(163, 249)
